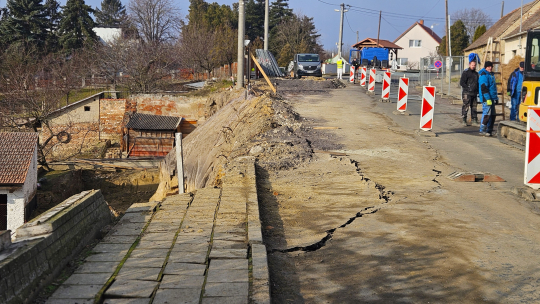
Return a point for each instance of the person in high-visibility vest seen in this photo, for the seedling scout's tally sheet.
(340, 69)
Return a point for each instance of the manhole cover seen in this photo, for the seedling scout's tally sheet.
(474, 177)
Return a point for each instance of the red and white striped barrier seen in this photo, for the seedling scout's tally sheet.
(532, 148)
(428, 105)
(353, 73)
(403, 94)
(386, 85)
(363, 77)
(371, 84)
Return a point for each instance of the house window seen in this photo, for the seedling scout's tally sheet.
(415, 43)
(87, 108)
(403, 61)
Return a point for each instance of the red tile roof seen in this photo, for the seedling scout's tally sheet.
(425, 28)
(16, 152)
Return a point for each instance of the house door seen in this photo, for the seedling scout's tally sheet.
(3, 211)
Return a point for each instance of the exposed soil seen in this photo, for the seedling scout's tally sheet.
(121, 188)
(307, 86)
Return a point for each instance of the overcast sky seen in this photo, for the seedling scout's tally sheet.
(363, 16)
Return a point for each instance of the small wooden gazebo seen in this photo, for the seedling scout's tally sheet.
(372, 42)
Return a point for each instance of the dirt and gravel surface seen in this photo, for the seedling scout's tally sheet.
(369, 216)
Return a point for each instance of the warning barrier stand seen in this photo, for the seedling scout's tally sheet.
(371, 83)
(532, 148)
(385, 96)
(363, 76)
(428, 108)
(351, 77)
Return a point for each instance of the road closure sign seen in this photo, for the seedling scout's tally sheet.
(438, 64)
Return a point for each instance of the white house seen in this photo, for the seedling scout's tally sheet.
(18, 178)
(108, 34)
(417, 41)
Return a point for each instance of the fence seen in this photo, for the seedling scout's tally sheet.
(446, 79)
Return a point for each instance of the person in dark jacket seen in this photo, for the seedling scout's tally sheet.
(515, 84)
(469, 84)
(488, 97)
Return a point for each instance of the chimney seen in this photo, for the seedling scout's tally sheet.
(421, 21)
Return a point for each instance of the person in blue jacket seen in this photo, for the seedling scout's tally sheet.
(515, 84)
(488, 98)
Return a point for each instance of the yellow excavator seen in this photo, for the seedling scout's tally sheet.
(514, 132)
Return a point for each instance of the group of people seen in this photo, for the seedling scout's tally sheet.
(483, 84)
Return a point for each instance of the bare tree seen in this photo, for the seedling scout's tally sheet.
(226, 46)
(472, 18)
(156, 20)
(198, 45)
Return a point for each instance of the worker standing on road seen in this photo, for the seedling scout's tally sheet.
(340, 68)
(515, 84)
(356, 65)
(488, 97)
(469, 84)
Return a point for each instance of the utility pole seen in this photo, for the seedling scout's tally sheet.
(340, 43)
(241, 34)
(502, 10)
(379, 31)
(266, 22)
(447, 31)
(357, 37)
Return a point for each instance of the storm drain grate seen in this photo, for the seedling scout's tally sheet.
(474, 177)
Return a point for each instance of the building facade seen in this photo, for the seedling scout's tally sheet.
(417, 41)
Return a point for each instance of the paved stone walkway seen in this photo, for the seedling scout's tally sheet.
(187, 249)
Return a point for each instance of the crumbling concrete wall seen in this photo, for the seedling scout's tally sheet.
(47, 243)
(169, 105)
(222, 137)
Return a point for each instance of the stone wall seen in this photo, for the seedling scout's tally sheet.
(111, 117)
(47, 243)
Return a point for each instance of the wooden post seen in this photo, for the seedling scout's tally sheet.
(264, 74)
(179, 163)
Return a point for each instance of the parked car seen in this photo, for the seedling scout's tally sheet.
(305, 65)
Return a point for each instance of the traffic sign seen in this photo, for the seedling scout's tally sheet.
(438, 64)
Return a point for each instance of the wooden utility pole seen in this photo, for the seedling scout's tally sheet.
(447, 32)
(379, 31)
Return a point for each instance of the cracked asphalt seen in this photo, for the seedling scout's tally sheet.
(377, 221)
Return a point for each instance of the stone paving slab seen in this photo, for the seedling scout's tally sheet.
(228, 254)
(139, 273)
(149, 253)
(181, 281)
(229, 237)
(126, 301)
(119, 239)
(135, 218)
(185, 269)
(227, 275)
(146, 262)
(107, 257)
(131, 288)
(149, 243)
(70, 301)
(177, 296)
(188, 257)
(159, 236)
(76, 291)
(221, 244)
(97, 267)
(87, 279)
(191, 247)
(226, 289)
(229, 264)
(225, 300)
(108, 247)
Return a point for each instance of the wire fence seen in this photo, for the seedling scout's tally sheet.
(446, 78)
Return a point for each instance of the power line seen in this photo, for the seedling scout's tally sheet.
(349, 24)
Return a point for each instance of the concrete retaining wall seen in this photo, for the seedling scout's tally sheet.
(47, 243)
